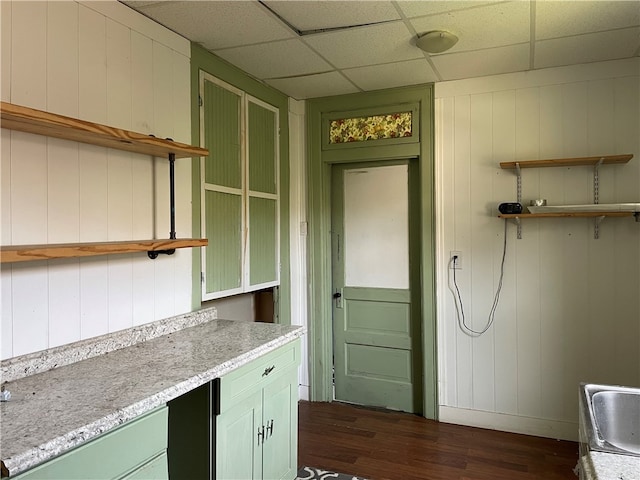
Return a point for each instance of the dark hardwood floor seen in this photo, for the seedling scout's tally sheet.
(383, 445)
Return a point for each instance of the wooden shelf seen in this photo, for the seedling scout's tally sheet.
(566, 214)
(30, 120)
(568, 162)
(26, 253)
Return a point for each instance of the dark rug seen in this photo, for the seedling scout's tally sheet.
(311, 473)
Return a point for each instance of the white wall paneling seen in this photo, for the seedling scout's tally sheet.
(569, 310)
(5, 51)
(28, 54)
(298, 234)
(101, 62)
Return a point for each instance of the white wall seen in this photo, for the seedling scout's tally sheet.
(102, 62)
(298, 233)
(570, 305)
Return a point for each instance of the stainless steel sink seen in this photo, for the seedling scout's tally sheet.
(611, 417)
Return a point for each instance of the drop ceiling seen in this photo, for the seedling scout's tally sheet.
(312, 49)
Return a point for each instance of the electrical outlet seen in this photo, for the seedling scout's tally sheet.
(456, 260)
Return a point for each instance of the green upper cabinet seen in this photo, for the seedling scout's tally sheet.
(263, 152)
(240, 193)
(222, 120)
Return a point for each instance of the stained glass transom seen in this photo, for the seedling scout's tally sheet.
(375, 127)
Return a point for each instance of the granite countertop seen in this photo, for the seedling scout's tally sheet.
(610, 466)
(53, 411)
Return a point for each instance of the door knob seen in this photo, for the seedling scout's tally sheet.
(337, 295)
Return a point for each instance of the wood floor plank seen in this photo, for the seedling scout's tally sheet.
(385, 445)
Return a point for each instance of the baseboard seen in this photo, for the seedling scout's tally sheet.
(510, 423)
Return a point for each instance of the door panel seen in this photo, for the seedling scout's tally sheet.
(373, 320)
(280, 453)
(238, 453)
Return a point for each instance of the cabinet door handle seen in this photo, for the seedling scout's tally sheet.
(260, 435)
(268, 370)
(269, 428)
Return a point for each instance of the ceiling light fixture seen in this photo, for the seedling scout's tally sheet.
(437, 41)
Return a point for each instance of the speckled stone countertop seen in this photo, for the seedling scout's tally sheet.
(610, 466)
(53, 411)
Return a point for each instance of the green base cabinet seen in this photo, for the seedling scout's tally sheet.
(133, 451)
(257, 427)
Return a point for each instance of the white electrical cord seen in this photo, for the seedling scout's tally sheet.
(457, 298)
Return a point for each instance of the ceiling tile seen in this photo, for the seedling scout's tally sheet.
(480, 63)
(277, 59)
(219, 24)
(591, 47)
(421, 8)
(376, 77)
(357, 47)
(312, 15)
(140, 3)
(561, 18)
(483, 27)
(312, 86)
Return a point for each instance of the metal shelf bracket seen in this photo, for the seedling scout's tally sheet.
(519, 199)
(596, 181)
(596, 226)
(153, 254)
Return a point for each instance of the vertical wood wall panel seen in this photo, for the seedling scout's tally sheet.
(63, 191)
(444, 111)
(120, 279)
(28, 54)
(143, 214)
(5, 186)
(505, 324)
(6, 312)
(28, 188)
(64, 302)
(94, 298)
(527, 274)
(552, 339)
(142, 121)
(62, 58)
(181, 95)
(163, 128)
(92, 65)
(484, 232)
(119, 163)
(5, 51)
(75, 59)
(565, 294)
(461, 204)
(164, 284)
(30, 302)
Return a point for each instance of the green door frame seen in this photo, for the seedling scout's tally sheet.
(320, 159)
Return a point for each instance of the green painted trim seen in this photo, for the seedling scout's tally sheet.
(382, 152)
(319, 216)
(201, 59)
